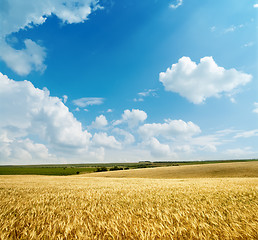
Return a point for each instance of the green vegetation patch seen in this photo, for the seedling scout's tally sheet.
(59, 171)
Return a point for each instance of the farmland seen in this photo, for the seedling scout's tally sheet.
(218, 170)
(205, 201)
(74, 207)
(72, 169)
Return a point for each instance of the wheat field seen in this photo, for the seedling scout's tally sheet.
(43, 207)
(217, 170)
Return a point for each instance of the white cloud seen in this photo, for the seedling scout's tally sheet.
(247, 134)
(196, 82)
(109, 110)
(178, 4)
(65, 97)
(256, 5)
(170, 129)
(103, 140)
(240, 153)
(138, 99)
(207, 143)
(233, 28)
(142, 95)
(256, 107)
(100, 122)
(25, 60)
(149, 92)
(89, 101)
(128, 137)
(230, 29)
(178, 139)
(157, 149)
(23, 151)
(20, 15)
(31, 112)
(132, 118)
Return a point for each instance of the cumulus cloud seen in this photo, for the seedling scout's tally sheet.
(20, 15)
(23, 151)
(25, 60)
(256, 5)
(31, 112)
(88, 101)
(128, 138)
(177, 4)
(176, 138)
(197, 82)
(103, 140)
(132, 118)
(170, 129)
(157, 149)
(100, 122)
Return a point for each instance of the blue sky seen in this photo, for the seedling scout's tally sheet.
(114, 81)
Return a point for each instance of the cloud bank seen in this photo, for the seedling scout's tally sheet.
(31, 113)
(38, 128)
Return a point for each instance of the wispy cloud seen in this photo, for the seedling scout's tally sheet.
(233, 28)
(142, 95)
(256, 5)
(230, 29)
(150, 92)
(65, 97)
(240, 152)
(88, 101)
(256, 107)
(213, 28)
(247, 134)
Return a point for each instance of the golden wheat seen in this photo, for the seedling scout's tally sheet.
(237, 169)
(41, 207)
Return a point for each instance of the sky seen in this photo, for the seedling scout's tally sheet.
(85, 81)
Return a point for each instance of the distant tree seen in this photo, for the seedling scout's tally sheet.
(101, 169)
(115, 168)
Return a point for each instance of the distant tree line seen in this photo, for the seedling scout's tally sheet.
(115, 168)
